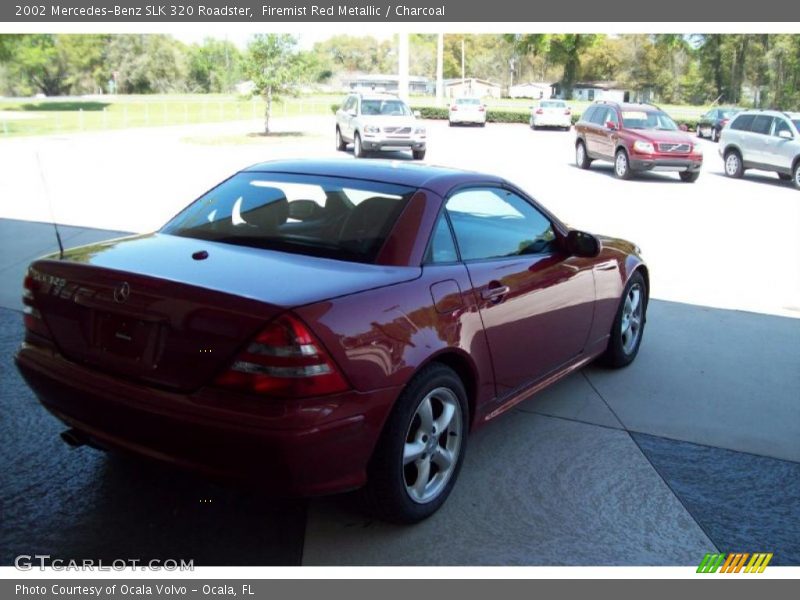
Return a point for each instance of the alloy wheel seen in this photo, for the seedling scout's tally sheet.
(580, 154)
(631, 322)
(432, 445)
(621, 164)
(732, 164)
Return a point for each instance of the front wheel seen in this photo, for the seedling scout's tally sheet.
(796, 175)
(733, 164)
(358, 149)
(689, 176)
(418, 154)
(581, 158)
(699, 131)
(421, 449)
(715, 135)
(622, 167)
(340, 143)
(628, 327)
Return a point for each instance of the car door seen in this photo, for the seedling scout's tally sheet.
(536, 303)
(780, 151)
(595, 130)
(756, 151)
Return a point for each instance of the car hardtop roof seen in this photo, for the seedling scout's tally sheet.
(630, 105)
(376, 96)
(435, 178)
(770, 112)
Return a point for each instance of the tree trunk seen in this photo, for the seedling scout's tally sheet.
(268, 110)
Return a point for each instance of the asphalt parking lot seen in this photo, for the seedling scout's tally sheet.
(694, 448)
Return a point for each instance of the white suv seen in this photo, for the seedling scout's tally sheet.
(379, 123)
(763, 139)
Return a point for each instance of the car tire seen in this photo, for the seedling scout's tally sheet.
(714, 134)
(622, 166)
(796, 175)
(450, 123)
(340, 143)
(358, 149)
(733, 164)
(483, 124)
(404, 489)
(418, 154)
(689, 176)
(699, 132)
(628, 327)
(784, 177)
(582, 159)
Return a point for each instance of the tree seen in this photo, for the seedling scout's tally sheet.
(147, 64)
(567, 49)
(276, 68)
(214, 66)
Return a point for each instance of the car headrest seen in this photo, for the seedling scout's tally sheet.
(367, 222)
(264, 207)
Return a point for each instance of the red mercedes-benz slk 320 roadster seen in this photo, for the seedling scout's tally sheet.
(321, 326)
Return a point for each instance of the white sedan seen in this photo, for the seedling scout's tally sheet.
(551, 113)
(467, 110)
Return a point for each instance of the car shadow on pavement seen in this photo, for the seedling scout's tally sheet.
(643, 177)
(765, 178)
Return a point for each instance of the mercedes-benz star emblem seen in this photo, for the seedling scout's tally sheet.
(122, 292)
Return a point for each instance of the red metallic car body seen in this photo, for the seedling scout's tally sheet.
(380, 324)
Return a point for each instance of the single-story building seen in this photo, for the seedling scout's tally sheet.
(604, 90)
(386, 83)
(471, 86)
(537, 90)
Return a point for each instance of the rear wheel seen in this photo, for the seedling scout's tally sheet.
(622, 167)
(699, 131)
(733, 164)
(421, 449)
(340, 143)
(796, 175)
(626, 333)
(581, 158)
(689, 176)
(714, 134)
(418, 154)
(358, 149)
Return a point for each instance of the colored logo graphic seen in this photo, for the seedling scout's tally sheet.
(735, 562)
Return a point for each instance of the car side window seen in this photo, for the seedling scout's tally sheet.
(779, 126)
(587, 116)
(743, 122)
(762, 124)
(494, 223)
(599, 116)
(611, 115)
(442, 248)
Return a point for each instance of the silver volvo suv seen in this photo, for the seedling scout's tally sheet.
(379, 123)
(763, 139)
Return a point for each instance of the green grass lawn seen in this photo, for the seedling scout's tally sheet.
(52, 115)
(49, 116)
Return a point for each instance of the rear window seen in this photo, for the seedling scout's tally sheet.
(743, 122)
(552, 104)
(328, 217)
(761, 124)
(472, 101)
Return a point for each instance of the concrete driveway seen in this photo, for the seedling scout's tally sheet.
(694, 448)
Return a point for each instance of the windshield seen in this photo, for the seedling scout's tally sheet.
(641, 119)
(796, 123)
(302, 214)
(392, 108)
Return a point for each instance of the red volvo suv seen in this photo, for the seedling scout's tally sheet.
(635, 138)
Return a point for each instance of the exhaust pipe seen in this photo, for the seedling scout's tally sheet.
(73, 438)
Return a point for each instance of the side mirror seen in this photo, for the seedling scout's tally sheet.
(417, 114)
(580, 243)
(611, 126)
(785, 134)
(351, 112)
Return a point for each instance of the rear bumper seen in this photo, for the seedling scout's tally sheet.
(551, 121)
(290, 448)
(456, 117)
(656, 163)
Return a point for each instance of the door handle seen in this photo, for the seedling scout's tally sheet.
(495, 293)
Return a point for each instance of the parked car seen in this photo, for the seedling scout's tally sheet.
(551, 113)
(379, 123)
(323, 325)
(712, 123)
(635, 138)
(768, 140)
(467, 110)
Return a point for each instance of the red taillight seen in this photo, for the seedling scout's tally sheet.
(567, 112)
(284, 360)
(31, 315)
(723, 122)
(454, 107)
(481, 108)
(539, 111)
